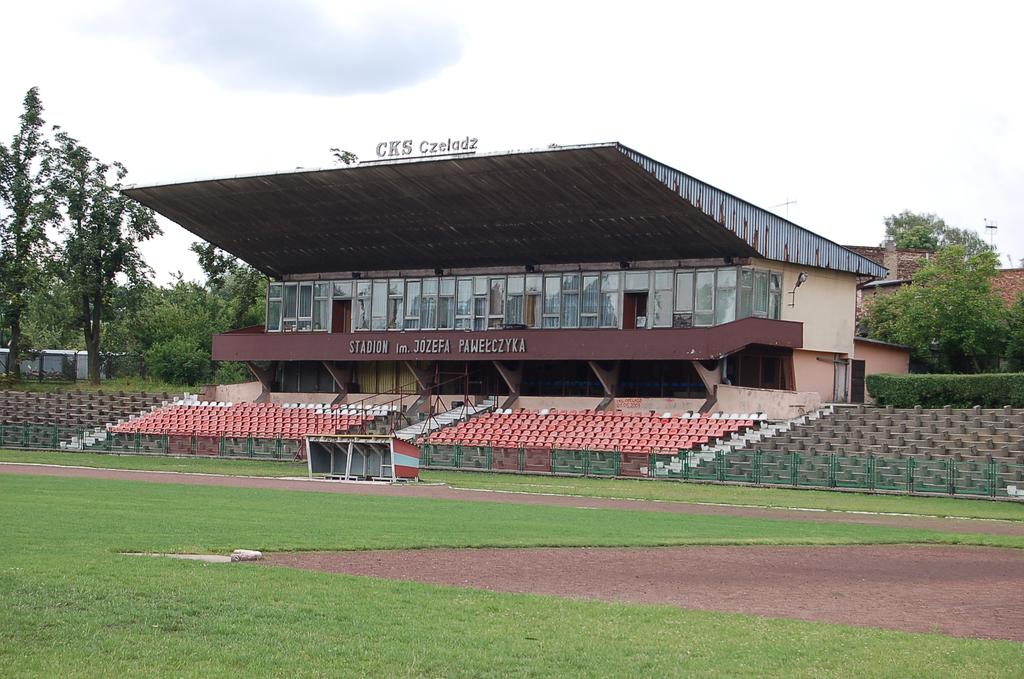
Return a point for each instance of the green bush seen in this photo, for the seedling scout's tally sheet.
(989, 390)
(178, 361)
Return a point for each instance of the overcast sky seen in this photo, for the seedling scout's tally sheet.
(853, 110)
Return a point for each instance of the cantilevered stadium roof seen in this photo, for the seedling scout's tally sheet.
(600, 203)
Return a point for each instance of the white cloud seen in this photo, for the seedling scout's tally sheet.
(855, 111)
(296, 46)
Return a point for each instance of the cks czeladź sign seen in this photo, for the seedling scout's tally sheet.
(404, 148)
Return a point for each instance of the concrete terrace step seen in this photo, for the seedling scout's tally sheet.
(444, 419)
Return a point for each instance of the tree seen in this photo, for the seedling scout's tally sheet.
(46, 323)
(178, 361)
(25, 210)
(241, 287)
(948, 315)
(241, 291)
(928, 231)
(343, 157)
(970, 240)
(175, 331)
(214, 262)
(101, 228)
(913, 230)
(1015, 336)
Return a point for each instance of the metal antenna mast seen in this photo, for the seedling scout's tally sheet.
(991, 225)
(785, 205)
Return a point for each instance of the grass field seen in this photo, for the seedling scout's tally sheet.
(109, 386)
(71, 605)
(586, 487)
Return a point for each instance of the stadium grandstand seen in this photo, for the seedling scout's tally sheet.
(580, 309)
(573, 277)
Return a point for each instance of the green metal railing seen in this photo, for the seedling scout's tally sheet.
(41, 437)
(990, 478)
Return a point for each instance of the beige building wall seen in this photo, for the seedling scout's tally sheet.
(774, 403)
(826, 304)
(299, 397)
(881, 358)
(815, 371)
(244, 392)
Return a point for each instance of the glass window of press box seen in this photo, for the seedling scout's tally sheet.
(681, 298)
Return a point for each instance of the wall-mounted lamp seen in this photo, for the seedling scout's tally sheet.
(357, 274)
(623, 265)
(800, 280)
(438, 272)
(530, 268)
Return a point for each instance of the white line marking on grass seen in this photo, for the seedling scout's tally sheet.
(519, 492)
(740, 506)
(206, 558)
(156, 471)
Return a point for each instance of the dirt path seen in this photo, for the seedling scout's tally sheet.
(959, 591)
(439, 492)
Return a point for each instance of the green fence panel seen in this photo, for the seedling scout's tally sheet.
(27, 434)
(815, 471)
(853, 471)
(291, 448)
(443, 456)
(117, 443)
(931, 476)
(633, 464)
(536, 460)
(890, 473)
(181, 445)
(738, 466)
(1008, 480)
(475, 457)
(266, 448)
(603, 463)
(41, 437)
(701, 468)
(664, 466)
(151, 444)
(16, 436)
(777, 468)
(236, 446)
(506, 459)
(569, 462)
(971, 477)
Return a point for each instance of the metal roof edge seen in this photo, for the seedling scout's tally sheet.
(660, 170)
(379, 163)
(883, 343)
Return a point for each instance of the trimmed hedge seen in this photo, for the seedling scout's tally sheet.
(988, 390)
